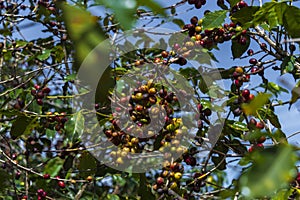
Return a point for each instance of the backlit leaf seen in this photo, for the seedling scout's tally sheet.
(260, 100)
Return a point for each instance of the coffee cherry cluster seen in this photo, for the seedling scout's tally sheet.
(41, 194)
(49, 5)
(197, 182)
(234, 29)
(56, 120)
(209, 37)
(140, 106)
(244, 97)
(19, 104)
(239, 76)
(197, 3)
(204, 114)
(40, 93)
(169, 178)
(257, 143)
(238, 6)
(11, 7)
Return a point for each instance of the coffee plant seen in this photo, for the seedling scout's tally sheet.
(149, 99)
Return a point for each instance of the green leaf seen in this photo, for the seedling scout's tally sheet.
(222, 5)
(175, 38)
(279, 136)
(22, 125)
(270, 12)
(87, 164)
(45, 55)
(153, 5)
(59, 53)
(53, 166)
(270, 115)
(225, 194)
(217, 162)
(240, 126)
(205, 104)
(238, 49)
(119, 179)
(189, 72)
(260, 100)
(178, 22)
(291, 21)
(79, 123)
(237, 146)
(83, 30)
(214, 19)
(254, 135)
(144, 190)
(123, 10)
(295, 93)
(287, 64)
(274, 88)
(268, 173)
(4, 181)
(244, 15)
(233, 2)
(112, 197)
(10, 113)
(283, 194)
(70, 77)
(226, 73)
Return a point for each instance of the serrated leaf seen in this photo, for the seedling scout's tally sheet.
(240, 126)
(255, 104)
(214, 19)
(268, 173)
